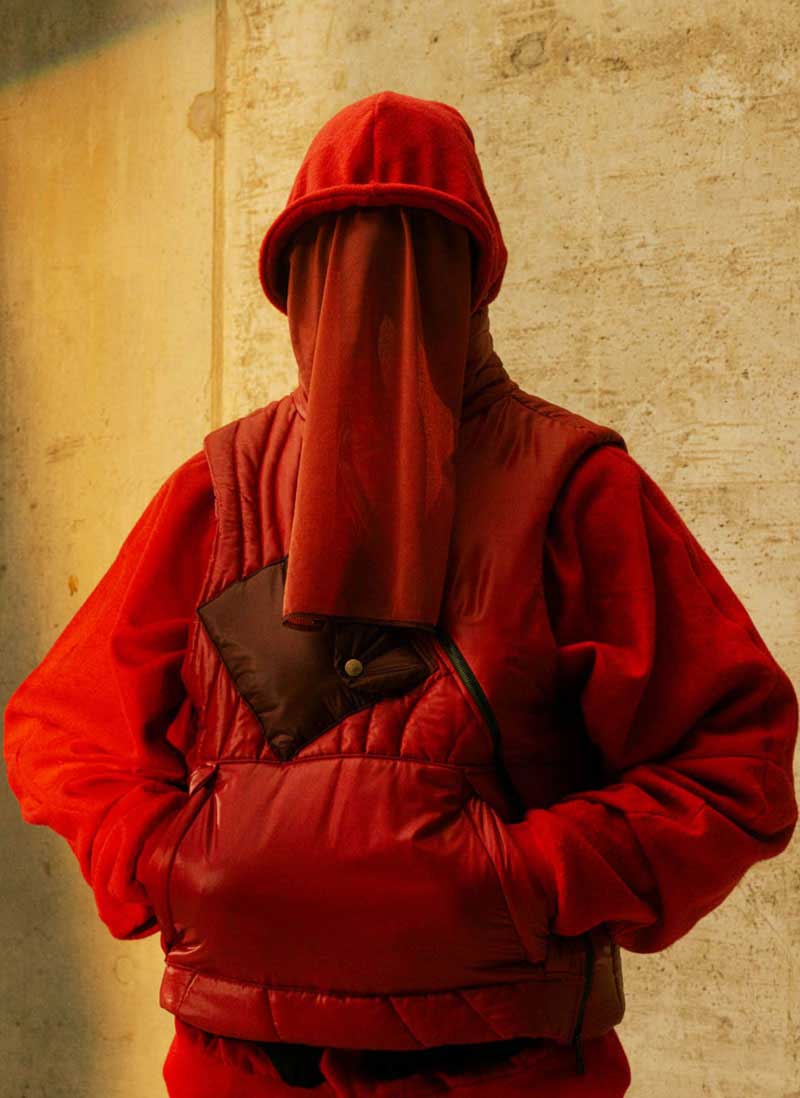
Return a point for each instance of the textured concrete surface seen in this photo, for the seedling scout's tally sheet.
(643, 162)
(106, 224)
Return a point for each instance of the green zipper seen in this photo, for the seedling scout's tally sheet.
(469, 679)
(577, 1039)
(518, 812)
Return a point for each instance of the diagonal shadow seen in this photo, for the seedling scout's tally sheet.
(38, 34)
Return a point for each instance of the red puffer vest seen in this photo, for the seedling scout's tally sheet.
(340, 873)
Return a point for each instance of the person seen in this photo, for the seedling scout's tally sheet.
(410, 700)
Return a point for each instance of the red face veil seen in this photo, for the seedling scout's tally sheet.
(378, 306)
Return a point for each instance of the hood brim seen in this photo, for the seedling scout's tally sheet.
(273, 253)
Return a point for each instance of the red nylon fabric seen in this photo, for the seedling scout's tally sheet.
(379, 314)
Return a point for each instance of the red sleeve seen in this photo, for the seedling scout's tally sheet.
(694, 720)
(85, 740)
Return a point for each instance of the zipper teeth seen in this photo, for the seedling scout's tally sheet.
(468, 675)
(587, 984)
(475, 688)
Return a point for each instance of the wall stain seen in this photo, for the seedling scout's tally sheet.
(358, 33)
(528, 53)
(202, 116)
(64, 447)
(616, 64)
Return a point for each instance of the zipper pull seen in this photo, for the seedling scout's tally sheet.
(201, 775)
(577, 1040)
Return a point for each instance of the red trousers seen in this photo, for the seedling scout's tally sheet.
(191, 1071)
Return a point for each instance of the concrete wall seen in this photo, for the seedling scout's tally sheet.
(642, 160)
(106, 223)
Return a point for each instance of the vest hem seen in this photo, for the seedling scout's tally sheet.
(544, 1005)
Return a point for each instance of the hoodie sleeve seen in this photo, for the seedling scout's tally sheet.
(694, 721)
(85, 740)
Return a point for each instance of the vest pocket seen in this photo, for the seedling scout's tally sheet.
(461, 667)
(353, 873)
(524, 897)
(154, 868)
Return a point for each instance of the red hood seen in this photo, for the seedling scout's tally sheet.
(356, 159)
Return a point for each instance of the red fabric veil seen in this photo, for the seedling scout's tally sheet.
(379, 313)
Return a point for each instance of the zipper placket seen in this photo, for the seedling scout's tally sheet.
(467, 676)
(577, 1039)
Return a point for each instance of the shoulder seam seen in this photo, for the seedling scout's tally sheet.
(564, 416)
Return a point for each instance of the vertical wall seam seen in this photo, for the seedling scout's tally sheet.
(596, 406)
(216, 377)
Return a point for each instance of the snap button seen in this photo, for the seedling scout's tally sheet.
(353, 668)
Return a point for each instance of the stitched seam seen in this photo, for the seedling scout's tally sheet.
(371, 703)
(563, 416)
(213, 556)
(171, 863)
(272, 1015)
(402, 1020)
(186, 991)
(468, 1000)
(310, 759)
(309, 989)
(243, 579)
(217, 516)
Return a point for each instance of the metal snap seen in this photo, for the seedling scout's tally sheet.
(353, 668)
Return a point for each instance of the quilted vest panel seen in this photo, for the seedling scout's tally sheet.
(338, 874)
